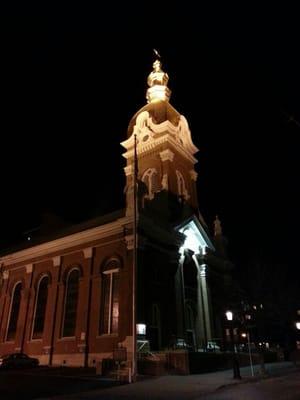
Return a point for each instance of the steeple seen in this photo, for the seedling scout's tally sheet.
(164, 146)
(157, 82)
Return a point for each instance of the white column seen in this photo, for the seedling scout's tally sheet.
(203, 302)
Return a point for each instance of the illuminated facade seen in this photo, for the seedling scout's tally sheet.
(68, 301)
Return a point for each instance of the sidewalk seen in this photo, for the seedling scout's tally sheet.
(180, 387)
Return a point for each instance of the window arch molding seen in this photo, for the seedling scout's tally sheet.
(110, 263)
(69, 269)
(40, 277)
(13, 285)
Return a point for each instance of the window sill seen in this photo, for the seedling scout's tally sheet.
(67, 338)
(105, 335)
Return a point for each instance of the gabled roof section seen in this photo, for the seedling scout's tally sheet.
(196, 237)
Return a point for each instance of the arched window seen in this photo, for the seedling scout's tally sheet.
(14, 312)
(150, 178)
(71, 300)
(109, 312)
(182, 191)
(40, 308)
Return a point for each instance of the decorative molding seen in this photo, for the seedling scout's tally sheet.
(66, 242)
(193, 175)
(88, 252)
(129, 239)
(29, 268)
(56, 261)
(180, 134)
(167, 138)
(167, 155)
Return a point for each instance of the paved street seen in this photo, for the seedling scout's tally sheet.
(189, 387)
(77, 384)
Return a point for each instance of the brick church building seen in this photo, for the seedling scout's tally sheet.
(72, 299)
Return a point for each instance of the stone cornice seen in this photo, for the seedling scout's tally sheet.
(65, 243)
(167, 138)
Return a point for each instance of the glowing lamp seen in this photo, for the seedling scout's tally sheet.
(141, 329)
(298, 325)
(229, 315)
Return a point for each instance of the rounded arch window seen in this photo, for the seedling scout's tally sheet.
(40, 307)
(151, 179)
(181, 187)
(71, 301)
(109, 304)
(14, 311)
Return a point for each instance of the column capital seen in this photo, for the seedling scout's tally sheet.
(167, 155)
(29, 268)
(129, 239)
(88, 252)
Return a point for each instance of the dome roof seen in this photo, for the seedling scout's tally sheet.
(160, 111)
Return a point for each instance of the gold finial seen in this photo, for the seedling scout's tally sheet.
(157, 82)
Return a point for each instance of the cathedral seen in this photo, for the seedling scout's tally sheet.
(150, 275)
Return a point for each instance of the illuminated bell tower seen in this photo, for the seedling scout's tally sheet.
(172, 233)
(165, 150)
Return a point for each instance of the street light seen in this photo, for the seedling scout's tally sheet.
(297, 325)
(235, 360)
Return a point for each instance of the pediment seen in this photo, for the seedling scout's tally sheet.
(196, 239)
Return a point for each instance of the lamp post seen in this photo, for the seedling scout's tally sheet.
(235, 360)
(297, 325)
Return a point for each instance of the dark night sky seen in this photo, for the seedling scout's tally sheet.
(73, 78)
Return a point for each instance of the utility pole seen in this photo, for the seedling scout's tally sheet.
(134, 266)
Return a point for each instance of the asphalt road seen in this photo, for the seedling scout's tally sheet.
(281, 388)
(43, 383)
